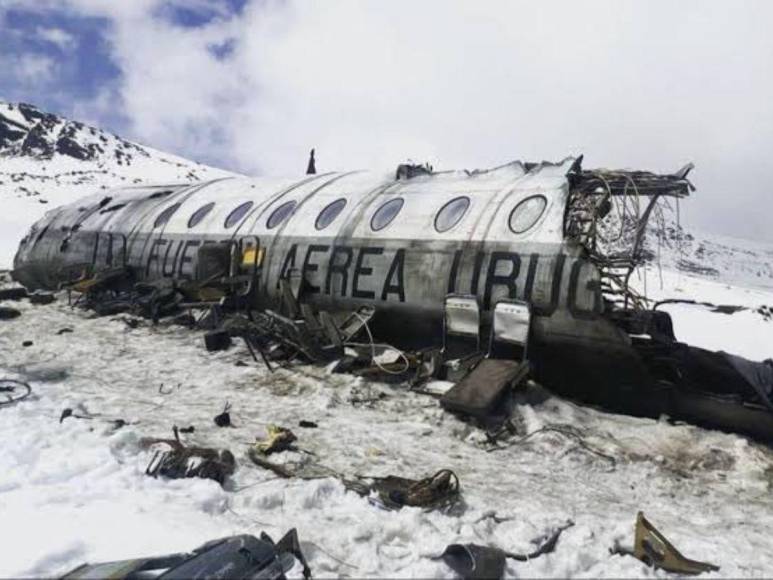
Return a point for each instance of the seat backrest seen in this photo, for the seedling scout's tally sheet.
(461, 325)
(510, 325)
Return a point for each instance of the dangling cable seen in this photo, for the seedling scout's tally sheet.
(373, 344)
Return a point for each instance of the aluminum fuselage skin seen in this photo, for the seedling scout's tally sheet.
(404, 269)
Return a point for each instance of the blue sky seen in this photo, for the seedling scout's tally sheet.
(79, 53)
(252, 85)
(70, 58)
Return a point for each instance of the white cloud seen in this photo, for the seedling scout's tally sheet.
(463, 84)
(58, 37)
(29, 69)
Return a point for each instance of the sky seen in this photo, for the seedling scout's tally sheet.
(252, 85)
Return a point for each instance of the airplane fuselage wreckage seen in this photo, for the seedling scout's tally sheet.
(535, 257)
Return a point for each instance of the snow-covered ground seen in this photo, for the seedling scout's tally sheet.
(76, 491)
(748, 332)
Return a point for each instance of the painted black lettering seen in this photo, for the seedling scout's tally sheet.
(530, 275)
(341, 269)
(476, 273)
(555, 289)
(591, 285)
(398, 264)
(289, 263)
(454, 271)
(186, 259)
(308, 266)
(109, 257)
(360, 270)
(174, 260)
(153, 255)
(493, 279)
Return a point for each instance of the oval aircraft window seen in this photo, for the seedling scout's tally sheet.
(327, 215)
(200, 214)
(164, 216)
(237, 214)
(280, 214)
(386, 213)
(527, 212)
(450, 214)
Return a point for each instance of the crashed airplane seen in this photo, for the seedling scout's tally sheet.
(549, 247)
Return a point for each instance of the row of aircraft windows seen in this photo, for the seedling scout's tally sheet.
(523, 217)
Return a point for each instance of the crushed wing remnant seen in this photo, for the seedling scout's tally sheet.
(241, 557)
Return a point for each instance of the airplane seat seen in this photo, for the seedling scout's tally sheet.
(510, 329)
(482, 392)
(461, 333)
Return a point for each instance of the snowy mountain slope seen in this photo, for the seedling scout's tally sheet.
(669, 244)
(712, 256)
(47, 160)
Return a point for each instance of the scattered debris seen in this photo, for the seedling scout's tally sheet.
(280, 470)
(719, 308)
(181, 461)
(42, 298)
(7, 313)
(69, 413)
(217, 340)
(479, 562)
(278, 439)
(547, 544)
(439, 490)
(9, 388)
(564, 430)
(652, 548)
(65, 330)
(13, 293)
(307, 424)
(475, 562)
(27, 343)
(224, 418)
(187, 430)
(240, 557)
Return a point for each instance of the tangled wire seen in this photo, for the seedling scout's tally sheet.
(8, 387)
